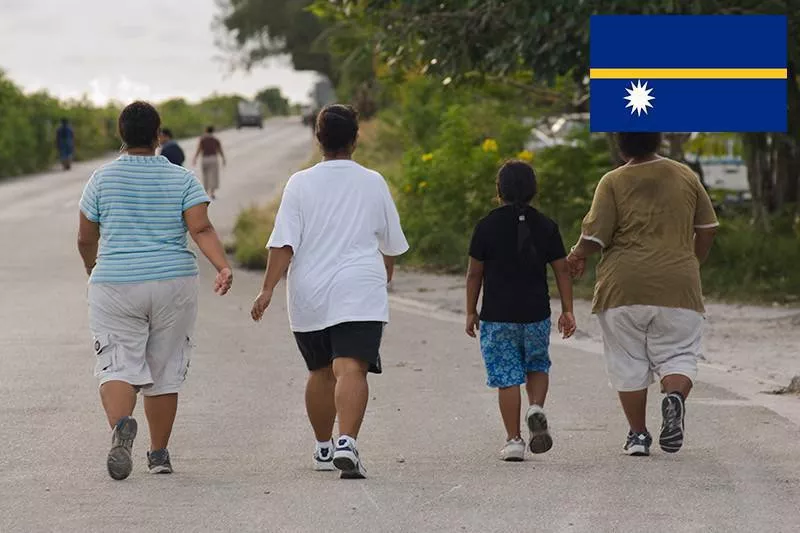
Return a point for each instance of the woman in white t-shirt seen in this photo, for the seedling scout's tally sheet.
(339, 229)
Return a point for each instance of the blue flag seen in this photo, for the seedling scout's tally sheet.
(676, 73)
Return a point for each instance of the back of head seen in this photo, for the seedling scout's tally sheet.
(337, 129)
(516, 186)
(64, 121)
(637, 145)
(139, 123)
(209, 130)
(166, 132)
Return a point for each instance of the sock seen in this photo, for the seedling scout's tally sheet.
(324, 445)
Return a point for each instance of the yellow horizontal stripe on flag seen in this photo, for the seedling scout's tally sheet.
(688, 73)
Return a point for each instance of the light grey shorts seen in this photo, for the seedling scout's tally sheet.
(644, 341)
(210, 173)
(143, 332)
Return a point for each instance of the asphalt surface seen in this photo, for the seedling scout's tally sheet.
(242, 446)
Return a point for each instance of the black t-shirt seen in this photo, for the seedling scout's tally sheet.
(515, 284)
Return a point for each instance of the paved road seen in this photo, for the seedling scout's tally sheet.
(242, 445)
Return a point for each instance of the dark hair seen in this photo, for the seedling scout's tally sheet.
(65, 121)
(337, 128)
(138, 125)
(167, 132)
(516, 186)
(638, 144)
(209, 129)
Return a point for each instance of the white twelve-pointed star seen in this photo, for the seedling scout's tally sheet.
(639, 98)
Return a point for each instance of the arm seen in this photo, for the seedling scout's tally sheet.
(703, 239)
(197, 153)
(88, 238)
(277, 266)
(388, 262)
(221, 153)
(564, 283)
(204, 234)
(474, 285)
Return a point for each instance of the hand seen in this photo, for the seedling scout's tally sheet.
(260, 305)
(223, 282)
(89, 270)
(473, 324)
(577, 265)
(566, 325)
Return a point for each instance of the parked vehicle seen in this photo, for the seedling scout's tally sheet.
(249, 114)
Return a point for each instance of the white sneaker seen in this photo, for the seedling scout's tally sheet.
(346, 459)
(541, 441)
(323, 459)
(514, 450)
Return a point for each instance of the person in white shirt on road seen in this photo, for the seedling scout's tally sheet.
(338, 228)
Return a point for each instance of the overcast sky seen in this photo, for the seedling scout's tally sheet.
(110, 49)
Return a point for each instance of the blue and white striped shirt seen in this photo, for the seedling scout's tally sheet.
(139, 201)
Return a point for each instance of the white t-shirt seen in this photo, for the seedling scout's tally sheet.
(338, 217)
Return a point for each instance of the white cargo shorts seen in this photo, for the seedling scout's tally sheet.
(143, 332)
(644, 341)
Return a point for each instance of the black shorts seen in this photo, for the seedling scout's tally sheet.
(358, 340)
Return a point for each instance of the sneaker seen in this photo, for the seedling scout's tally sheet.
(345, 458)
(158, 462)
(638, 444)
(323, 459)
(541, 441)
(120, 461)
(514, 450)
(673, 409)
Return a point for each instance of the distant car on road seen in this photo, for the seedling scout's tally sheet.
(249, 114)
(308, 113)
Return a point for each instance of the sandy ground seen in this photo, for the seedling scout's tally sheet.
(761, 344)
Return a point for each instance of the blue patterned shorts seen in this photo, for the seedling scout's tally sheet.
(511, 351)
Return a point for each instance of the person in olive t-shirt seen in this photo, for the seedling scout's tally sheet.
(655, 224)
(509, 254)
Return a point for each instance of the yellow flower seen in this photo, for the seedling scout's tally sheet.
(427, 157)
(489, 145)
(422, 185)
(525, 155)
(407, 188)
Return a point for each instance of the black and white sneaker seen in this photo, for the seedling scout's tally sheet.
(673, 409)
(323, 459)
(638, 444)
(158, 462)
(120, 459)
(345, 458)
(540, 440)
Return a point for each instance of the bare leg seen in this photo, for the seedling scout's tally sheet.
(510, 401)
(351, 395)
(160, 412)
(536, 385)
(321, 403)
(119, 399)
(676, 383)
(635, 406)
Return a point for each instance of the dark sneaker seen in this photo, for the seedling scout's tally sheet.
(323, 459)
(345, 458)
(673, 409)
(120, 460)
(540, 441)
(158, 462)
(638, 444)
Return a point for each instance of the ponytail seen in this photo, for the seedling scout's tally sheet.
(525, 247)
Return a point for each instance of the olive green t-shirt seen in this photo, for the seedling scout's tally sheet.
(644, 216)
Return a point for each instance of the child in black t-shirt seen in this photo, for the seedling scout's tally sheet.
(509, 254)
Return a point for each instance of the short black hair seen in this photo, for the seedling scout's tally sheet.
(337, 128)
(638, 144)
(209, 129)
(138, 125)
(516, 185)
(167, 132)
(65, 121)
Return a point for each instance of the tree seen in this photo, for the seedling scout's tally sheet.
(274, 101)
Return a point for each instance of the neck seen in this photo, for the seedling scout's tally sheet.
(337, 157)
(643, 159)
(141, 151)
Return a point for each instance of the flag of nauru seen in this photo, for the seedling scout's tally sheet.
(681, 73)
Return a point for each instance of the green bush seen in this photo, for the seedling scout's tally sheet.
(251, 231)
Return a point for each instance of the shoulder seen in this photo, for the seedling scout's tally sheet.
(544, 221)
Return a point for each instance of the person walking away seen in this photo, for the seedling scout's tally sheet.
(171, 149)
(338, 228)
(211, 150)
(509, 253)
(655, 224)
(134, 215)
(65, 143)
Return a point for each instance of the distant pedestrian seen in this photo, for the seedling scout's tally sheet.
(337, 232)
(134, 215)
(210, 149)
(509, 254)
(655, 224)
(171, 149)
(65, 143)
